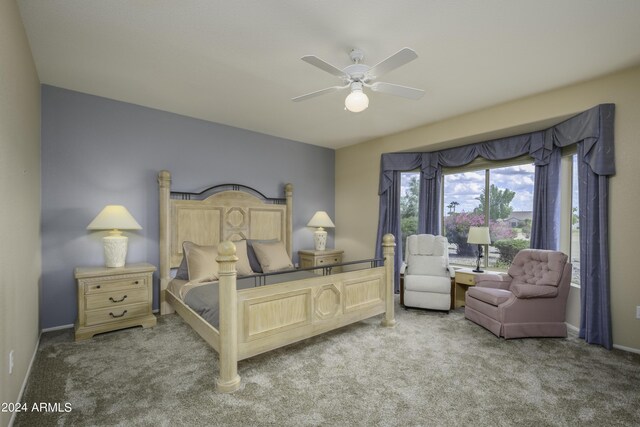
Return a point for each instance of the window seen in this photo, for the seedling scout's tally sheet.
(569, 207)
(575, 224)
(500, 197)
(409, 193)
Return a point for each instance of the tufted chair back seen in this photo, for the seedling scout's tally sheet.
(537, 267)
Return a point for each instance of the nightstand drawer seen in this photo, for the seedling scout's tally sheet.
(465, 279)
(115, 314)
(327, 260)
(117, 284)
(116, 298)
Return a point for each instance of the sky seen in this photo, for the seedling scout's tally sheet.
(465, 187)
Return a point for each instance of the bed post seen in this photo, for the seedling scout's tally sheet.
(228, 380)
(288, 192)
(164, 186)
(388, 245)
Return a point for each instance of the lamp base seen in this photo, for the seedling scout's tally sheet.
(478, 269)
(115, 250)
(320, 239)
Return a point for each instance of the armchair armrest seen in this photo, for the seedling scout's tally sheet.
(493, 280)
(522, 290)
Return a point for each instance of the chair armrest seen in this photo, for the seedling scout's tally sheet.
(452, 272)
(522, 290)
(403, 267)
(493, 280)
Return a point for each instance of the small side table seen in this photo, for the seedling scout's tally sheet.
(465, 278)
(113, 298)
(311, 258)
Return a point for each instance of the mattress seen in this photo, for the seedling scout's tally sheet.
(203, 297)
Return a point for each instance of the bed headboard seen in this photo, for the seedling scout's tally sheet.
(219, 213)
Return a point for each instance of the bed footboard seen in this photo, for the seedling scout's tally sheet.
(256, 320)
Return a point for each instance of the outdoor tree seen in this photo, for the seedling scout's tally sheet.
(409, 209)
(499, 203)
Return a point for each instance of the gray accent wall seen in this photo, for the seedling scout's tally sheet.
(98, 151)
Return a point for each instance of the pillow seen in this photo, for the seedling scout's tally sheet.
(243, 267)
(201, 262)
(251, 254)
(183, 272)
(272, 256)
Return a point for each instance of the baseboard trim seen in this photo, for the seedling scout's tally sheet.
(57, 328)
(572, 328)
(26, 379)
(575, 330)
(629, 349)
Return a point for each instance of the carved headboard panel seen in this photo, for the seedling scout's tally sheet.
(229, 215)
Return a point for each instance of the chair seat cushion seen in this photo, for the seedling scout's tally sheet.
(435, 284)
(489, 295)
(534, 291)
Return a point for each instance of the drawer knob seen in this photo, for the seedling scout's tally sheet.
(98, 287)
(136, 282)
(115, 316)
(117, 300)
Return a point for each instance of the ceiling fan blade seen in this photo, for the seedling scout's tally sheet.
(317, 93)
(323, 65)
(398, 90)
(396, 60)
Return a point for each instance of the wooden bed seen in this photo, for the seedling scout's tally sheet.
(256, 320)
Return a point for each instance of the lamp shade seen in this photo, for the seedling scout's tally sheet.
(321, 219)
(479, 235)
(114, 217)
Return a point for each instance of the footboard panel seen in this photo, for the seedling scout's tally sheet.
(276, 315)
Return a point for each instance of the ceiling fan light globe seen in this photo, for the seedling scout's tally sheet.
(356, 101)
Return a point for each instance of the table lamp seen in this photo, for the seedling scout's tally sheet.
(320, 220)
(114, 218)
(479, 235)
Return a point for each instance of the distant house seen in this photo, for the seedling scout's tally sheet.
(518, 218)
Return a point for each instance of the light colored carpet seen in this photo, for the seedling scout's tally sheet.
(433, 369)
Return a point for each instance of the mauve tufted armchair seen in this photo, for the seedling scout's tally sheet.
(528, 301)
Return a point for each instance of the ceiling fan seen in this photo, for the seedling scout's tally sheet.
(357, 76)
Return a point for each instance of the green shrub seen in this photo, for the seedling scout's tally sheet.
(509, 248)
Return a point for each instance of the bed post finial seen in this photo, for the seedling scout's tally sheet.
(388, 245)
(228, 381)
(164, 188)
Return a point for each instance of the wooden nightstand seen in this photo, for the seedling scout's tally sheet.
(313, 258)
(465, 278)
(113, 298)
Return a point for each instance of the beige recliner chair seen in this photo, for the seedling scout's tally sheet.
(427, 276)
(528, 301)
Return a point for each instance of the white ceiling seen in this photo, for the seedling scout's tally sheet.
(238, 62)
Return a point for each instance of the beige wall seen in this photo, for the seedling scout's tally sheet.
(20, 193)
(357, 171)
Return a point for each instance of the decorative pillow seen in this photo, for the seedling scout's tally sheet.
(201, 262)
(183, 272)
(243, 267)
(272, 256)
(251, 254)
